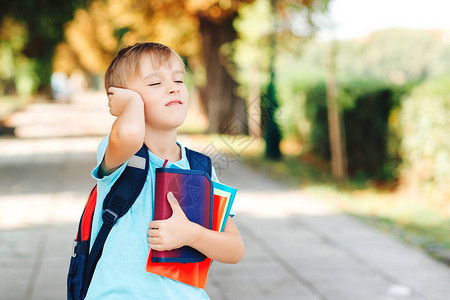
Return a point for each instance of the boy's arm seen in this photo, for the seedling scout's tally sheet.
(225, 247)
(127, 132)
(178, 231)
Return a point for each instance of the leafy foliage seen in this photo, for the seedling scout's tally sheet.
(265, 30)
(395, 56)
(425, 123)
(43, 22)
(104, 26)
(391, 60)
(366, 107)
(16, 70)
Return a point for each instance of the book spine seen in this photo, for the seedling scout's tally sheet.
(162, 209)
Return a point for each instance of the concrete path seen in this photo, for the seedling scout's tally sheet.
(296, 247)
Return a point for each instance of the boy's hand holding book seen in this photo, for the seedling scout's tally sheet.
(172, 233)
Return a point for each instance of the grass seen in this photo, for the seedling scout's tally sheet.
(417, 220)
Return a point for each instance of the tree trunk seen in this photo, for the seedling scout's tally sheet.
(227, 112)
(337, 143)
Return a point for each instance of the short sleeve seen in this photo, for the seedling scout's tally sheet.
(100, 155)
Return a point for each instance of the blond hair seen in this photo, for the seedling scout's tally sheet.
(128, 60)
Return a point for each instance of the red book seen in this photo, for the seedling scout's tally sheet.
(194, 191)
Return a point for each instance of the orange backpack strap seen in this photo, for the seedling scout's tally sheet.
(86, 219)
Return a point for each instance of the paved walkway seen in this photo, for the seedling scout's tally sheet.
(296, 247)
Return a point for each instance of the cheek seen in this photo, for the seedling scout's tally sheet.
(151, 101)
(152, 111)
(186, 96)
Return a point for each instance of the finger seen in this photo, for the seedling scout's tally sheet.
(111, 90)
(171, 197)
(154, 225)
(172, 200)
(154, 233)
(154, 241)
(157, 247)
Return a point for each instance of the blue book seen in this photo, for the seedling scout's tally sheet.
(194, 191)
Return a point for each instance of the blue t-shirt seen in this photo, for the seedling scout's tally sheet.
(120, 272)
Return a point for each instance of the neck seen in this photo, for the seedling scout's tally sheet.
(163, 144)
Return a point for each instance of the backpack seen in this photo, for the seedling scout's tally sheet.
(117, 202)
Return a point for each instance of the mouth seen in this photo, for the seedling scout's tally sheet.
(174, 102)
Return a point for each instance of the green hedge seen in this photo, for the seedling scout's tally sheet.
(365, 109)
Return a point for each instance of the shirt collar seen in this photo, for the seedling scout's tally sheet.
(159, 162)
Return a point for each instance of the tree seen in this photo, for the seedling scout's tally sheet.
(337, 140)
(252, 55)
(218, 95)
(259, 42)
(13, 64)
(215, 33)
(272, 134)
(202, 31)
(198, 30)
(44, 22)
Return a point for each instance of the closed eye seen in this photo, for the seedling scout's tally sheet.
(155, 83)
(179, 81)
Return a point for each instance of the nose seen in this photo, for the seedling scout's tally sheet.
(173, 89)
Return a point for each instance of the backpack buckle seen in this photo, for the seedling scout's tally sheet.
(74, 246)
(109, 216)
(80, 248)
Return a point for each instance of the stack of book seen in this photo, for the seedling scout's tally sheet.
(204, 202)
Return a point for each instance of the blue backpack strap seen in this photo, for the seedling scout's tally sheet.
(119, 200)
(199, 161)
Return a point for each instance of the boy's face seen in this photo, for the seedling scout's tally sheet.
(164, 93)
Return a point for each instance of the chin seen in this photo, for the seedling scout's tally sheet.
(178, 120)
(166, 121)
(174, 124)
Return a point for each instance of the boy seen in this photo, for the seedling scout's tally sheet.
(147, 94)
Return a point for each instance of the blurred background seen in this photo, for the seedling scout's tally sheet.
(348, 99)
